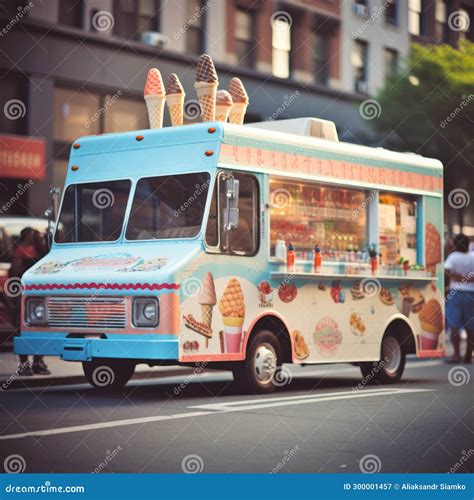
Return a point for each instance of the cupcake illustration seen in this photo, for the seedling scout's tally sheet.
(432, 324)
(232, 308)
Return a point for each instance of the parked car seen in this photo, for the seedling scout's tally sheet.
(10, 229)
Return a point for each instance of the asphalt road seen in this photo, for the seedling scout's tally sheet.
(320, 422)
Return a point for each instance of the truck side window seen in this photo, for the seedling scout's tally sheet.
(245, 239)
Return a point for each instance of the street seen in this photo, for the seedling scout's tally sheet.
(320, 422)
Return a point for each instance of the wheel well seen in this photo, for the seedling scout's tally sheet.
(402, 330)
(276, 325)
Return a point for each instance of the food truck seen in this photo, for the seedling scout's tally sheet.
(240, 247)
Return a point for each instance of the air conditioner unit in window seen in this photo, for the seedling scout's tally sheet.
(360, 9)
(362, 87)
(154, 39)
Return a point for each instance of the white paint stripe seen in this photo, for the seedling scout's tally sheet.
(159, 418)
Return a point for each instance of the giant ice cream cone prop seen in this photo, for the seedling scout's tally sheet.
(232, 308)
(175, 99)
(223, 105)
(155, 98)
(206, 87)
(240, 101)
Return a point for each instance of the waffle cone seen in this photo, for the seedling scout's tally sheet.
(237, 113)
(175, 104)
(222, 113)
(206, 93)
(206, 314)
(155, 106)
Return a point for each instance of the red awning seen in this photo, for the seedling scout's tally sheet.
(22, 157)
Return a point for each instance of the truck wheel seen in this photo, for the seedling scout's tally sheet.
(257, 374)
(108, 373)
(391, 365)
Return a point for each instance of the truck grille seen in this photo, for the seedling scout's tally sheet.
(87, 312)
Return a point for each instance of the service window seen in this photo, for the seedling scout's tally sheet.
(397, 228)
(307, 214)
(244, 239)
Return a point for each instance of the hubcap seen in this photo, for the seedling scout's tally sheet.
(265, 363)
(391, 354)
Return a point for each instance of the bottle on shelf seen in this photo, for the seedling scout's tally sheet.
(373, 259)
(317, 262)
(290, 258)
(280, 250)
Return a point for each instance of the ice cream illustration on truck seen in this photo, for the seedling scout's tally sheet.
(242, 246)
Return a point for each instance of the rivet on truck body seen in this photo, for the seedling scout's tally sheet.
(139, 137)
(74, 168)
(76, 145)
(211, 130)
(209, 152)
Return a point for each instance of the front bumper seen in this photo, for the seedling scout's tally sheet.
(118, 346)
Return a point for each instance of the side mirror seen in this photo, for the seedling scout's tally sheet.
(231, 217)
(51, 213)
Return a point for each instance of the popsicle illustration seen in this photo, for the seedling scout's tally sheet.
(232, 308)
(175, 99)
(223, 105)
(206, 87)
(155, 98)
(240, 101)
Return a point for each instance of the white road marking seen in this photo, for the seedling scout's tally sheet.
(225, 408)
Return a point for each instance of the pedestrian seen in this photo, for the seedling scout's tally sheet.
(459, 267)
(24, 255)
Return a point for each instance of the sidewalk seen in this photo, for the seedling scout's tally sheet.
(64, 372)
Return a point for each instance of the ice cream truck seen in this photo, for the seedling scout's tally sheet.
(240, 247)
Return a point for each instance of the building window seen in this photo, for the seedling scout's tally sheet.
(466, 28)
(244, 37)
(13, 92)
(316, 214)
(70, 13)
(361, 7)
(441, 18)
(391, 12)
(133, 17)
(196, 26)
(359, 61)
(391, 62)
(397, 228)
(281, 47)
(245, 239)
(321, 58)
(415, 17)
(122, 114)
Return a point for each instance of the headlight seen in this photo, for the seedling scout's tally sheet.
(36, 311)
(146, 312)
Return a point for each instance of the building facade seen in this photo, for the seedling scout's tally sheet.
(77, 67)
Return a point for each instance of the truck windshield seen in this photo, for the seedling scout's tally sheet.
(169, 206)
(93, 212)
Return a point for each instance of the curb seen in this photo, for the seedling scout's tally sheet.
(32, 382)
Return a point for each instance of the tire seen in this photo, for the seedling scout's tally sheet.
(258, 374)
(106, 374)
(391, 365)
